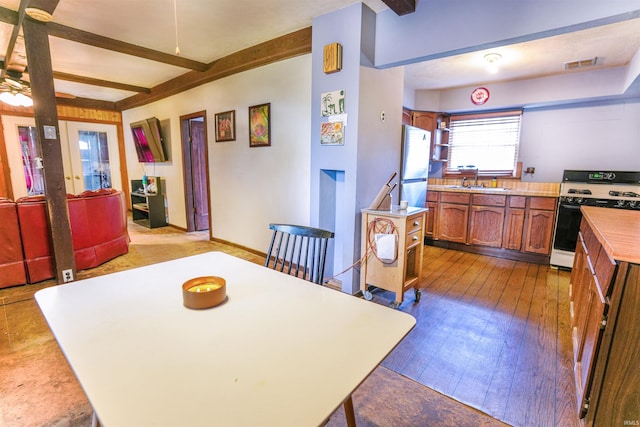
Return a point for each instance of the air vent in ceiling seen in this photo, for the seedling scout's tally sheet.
(582, 63)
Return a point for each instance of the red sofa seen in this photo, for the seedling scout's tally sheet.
(12, 269)
(98, 227)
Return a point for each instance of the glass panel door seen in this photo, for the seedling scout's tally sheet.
(94, 156)
(31, 160)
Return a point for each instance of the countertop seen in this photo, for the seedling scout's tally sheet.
(618, 231)
(519, 189)
(396, 211)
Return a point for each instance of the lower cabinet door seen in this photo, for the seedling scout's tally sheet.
(453, 220)
(538, 232)
(589, 330)
(486, 226)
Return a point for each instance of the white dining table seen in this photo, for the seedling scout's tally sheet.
(279, 351)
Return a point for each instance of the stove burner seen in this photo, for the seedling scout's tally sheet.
(623, 194)
(574, 191)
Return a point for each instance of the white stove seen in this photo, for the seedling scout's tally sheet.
(611, 189)
(607, 195)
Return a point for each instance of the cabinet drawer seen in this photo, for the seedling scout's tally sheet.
(432, 196)
(542, 203)
(517, 201)
(605, 268)
(460, 198)
(489, 200)
(414, 224)
(592, 244)
(413, 239)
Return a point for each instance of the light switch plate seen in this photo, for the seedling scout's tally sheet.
(49, 132)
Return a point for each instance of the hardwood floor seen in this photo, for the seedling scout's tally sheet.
(491, 333)
(494, 334)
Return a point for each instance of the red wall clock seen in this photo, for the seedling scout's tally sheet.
(480, 95)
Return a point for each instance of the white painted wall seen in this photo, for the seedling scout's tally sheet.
(250, 187)
(605, 137)
(569, 134)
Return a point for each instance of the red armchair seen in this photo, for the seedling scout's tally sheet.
(98, 228)
(12, 270)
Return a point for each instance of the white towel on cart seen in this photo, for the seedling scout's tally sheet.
(386, 246)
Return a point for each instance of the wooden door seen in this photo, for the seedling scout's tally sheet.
(195, 165)
(199, 172)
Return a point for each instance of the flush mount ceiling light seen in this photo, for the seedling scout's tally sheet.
(492, 60)
(38, 14)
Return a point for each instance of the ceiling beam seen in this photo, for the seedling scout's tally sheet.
(14, 37)
(80, 36)
(278, 49)
(87, 103)
(8, 16)
(99, 82)
(401, 7)
(61, 31)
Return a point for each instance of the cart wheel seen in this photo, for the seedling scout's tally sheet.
(394, 304)
(418, 294)
(367, 295)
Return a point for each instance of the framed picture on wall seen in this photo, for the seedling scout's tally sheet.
(226, 126)
(260, 125)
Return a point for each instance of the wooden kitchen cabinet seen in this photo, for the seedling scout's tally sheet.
(453, 217)
(427, 120)
(431, 217)
(405, 271)
(588, 311)
(511, 226)
(514, 223)
(540, 217)
(487, 220)
(438, 125)
(605, 294)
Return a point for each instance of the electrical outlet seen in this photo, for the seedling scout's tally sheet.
(67, 275)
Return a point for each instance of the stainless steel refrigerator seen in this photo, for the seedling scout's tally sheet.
(414, 168)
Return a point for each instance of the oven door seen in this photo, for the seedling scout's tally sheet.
(567, 227)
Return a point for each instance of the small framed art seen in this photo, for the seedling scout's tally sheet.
(260, 125)
(226, 126)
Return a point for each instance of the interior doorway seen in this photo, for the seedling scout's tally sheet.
(193, 131)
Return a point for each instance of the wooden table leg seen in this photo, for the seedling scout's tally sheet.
(349, 413)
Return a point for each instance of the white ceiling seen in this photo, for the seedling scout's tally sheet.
(614, 45)
(208, 30)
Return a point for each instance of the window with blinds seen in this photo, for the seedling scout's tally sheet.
(487, 141)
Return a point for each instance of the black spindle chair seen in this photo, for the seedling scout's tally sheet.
(298, 250)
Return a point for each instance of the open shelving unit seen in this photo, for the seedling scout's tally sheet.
(147, 208)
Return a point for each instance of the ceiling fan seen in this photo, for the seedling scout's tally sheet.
(16, 91)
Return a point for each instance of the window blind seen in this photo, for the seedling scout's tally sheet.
(487, 141)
